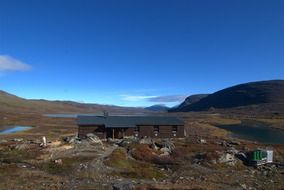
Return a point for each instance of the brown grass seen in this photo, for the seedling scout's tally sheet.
(130, 168)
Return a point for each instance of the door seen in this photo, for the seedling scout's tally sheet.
(115, 133)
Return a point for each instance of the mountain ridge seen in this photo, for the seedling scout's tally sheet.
(157, 108)
(15, 104)
(246, 94)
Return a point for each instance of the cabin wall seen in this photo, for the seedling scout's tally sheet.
(98, 130)
(129, 132)
(181, 132)
(165, 131)
(145, 131)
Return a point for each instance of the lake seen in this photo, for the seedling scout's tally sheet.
(259, 134)
(63, 115)
(14, 129)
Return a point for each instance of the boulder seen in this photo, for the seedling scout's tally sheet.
(122, 186)
(234, 143)
(202, 141)
(58, 161)
(94, 138)
(165, 154)
(232, 150)
(227, 158)
(153, 146)
(22, 146)
(165, 144)
(128, 141)
(146, 141)
(243, 186)
(18, 139)
(117, 141)
(165, 149)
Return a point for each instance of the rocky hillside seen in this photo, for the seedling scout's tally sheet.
(12, 104)
(190, 100)
(253, 93)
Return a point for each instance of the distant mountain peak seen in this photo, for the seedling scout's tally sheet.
(157, 107)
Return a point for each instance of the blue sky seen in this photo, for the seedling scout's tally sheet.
(137, 53)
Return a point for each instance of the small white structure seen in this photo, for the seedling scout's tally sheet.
(269, 156)
(44, 141)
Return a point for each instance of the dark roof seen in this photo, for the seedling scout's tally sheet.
(127, 121)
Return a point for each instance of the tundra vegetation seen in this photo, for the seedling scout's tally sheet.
(207, 158)
(199, 161)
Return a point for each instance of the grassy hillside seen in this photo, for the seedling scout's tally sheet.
(248, 94)
(13, 104)
(189, 100)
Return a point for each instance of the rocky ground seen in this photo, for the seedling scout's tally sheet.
(206, 159)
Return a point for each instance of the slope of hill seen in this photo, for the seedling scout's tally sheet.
(158, 108)
(13, 104)
(253, 93)
(188, 101)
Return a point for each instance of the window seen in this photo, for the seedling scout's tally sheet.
(99, 129)
(174, 129)
(156, 129)
(136, 129)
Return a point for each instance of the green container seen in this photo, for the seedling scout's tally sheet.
(254, 155)
(258, 155)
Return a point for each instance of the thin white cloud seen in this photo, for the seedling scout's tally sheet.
(157, 99)
(170, 98)
(8, 63)
(135, 98)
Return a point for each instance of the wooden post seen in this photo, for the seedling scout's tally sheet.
(112, 133)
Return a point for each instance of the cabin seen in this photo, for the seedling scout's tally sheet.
(118, 127)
